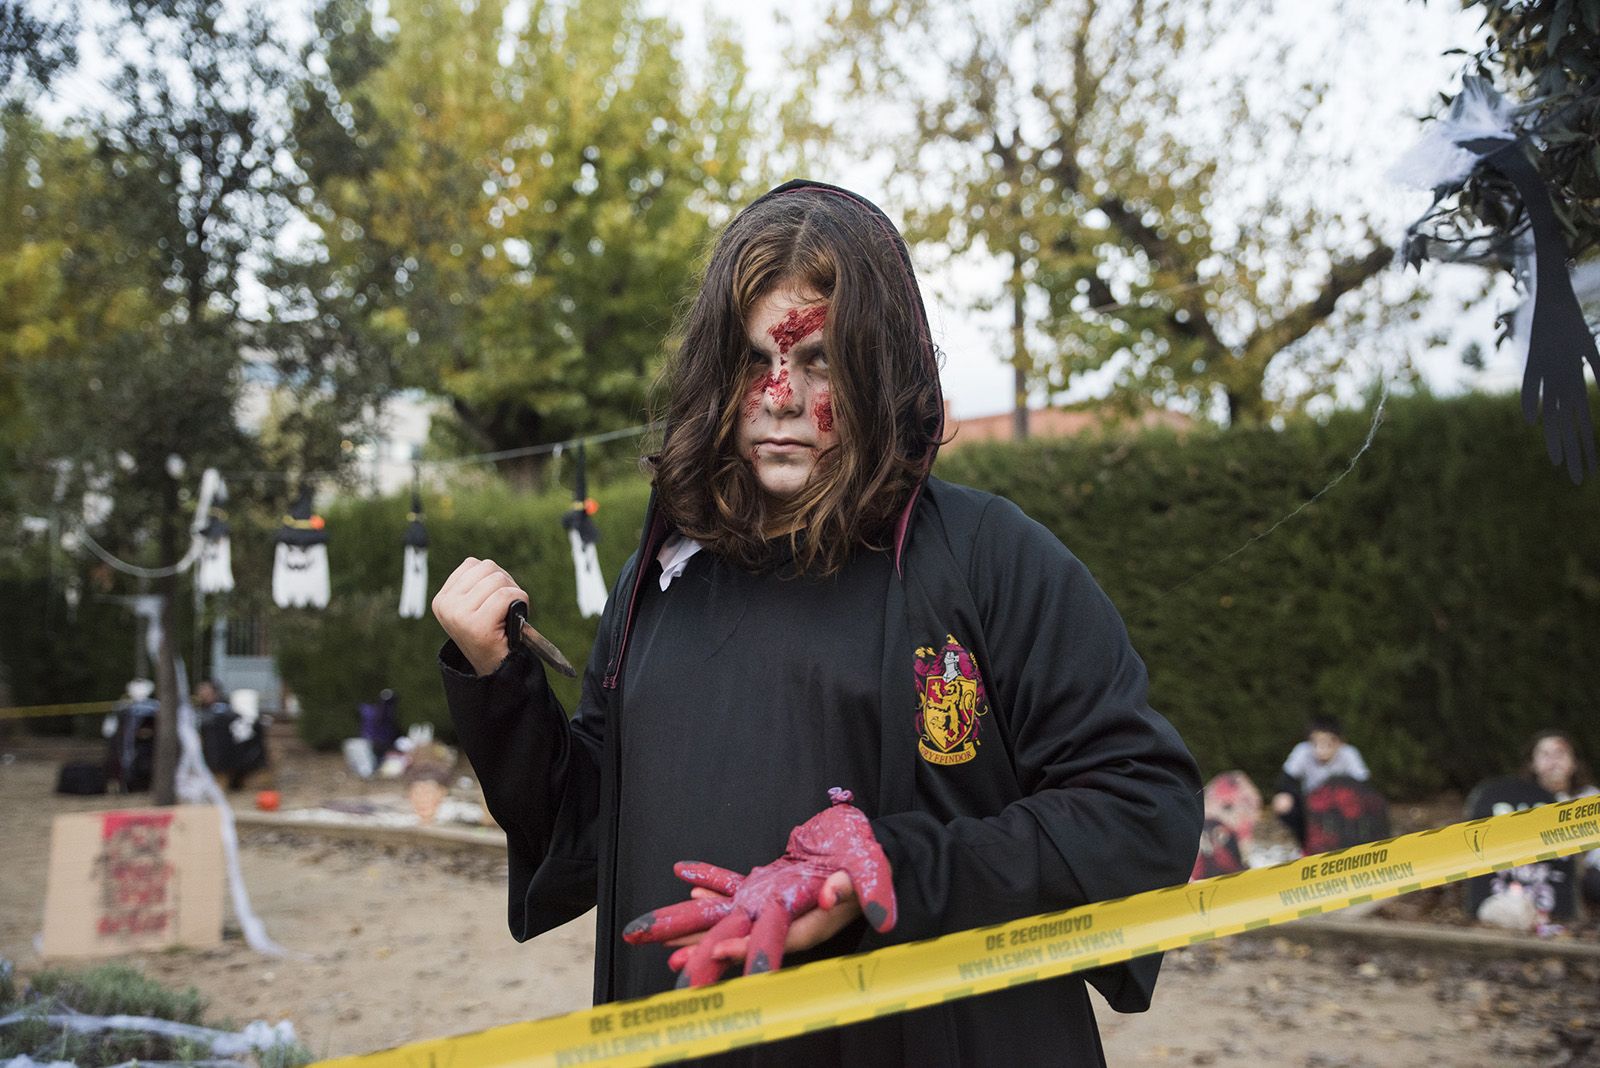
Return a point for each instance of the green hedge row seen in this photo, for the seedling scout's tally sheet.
(339, 657)
(50, 654)
(1443, 599)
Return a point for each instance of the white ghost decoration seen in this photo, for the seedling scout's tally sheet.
(300, 576)
(216, 563)
(583, 535)
(215, 571)
(300, 563)
(414, 580)
(591, 584)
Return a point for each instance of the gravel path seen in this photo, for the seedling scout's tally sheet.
(407, 943)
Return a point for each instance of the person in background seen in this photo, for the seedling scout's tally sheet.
(130, 733)
(1323, 755)
(1553, 763)
(233, 734)
(212, 715)
(1232, 807)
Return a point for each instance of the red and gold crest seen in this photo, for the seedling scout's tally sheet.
(950, 698)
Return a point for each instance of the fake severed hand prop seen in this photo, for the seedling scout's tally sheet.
(762, 904)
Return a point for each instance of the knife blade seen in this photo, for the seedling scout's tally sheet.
(517, 625)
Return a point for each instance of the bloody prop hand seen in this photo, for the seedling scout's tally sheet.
(764, 903)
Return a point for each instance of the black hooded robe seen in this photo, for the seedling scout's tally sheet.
(715, 715)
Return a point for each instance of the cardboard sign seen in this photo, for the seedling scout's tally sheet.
(135, 879)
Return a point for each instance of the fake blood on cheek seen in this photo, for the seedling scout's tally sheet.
(822, 412)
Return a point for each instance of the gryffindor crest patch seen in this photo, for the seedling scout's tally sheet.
(950, 701)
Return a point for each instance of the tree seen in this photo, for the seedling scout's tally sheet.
(33, 50)
(511, 210)
(146, 223)
(1152, 208)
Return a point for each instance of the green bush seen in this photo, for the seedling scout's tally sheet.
(118, 988)
(339, 657)
(1440, 600)
(55, 655)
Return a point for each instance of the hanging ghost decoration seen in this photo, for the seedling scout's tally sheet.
(300, 564)
(583, 535)
(215, 571)
(1548, 328)
(414, 582)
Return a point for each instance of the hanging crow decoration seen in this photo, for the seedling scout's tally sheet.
(414, 582)
(1549, 327)
(215, 573)
(300, 567)
(583, 535)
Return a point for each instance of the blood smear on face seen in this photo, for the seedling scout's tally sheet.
(822, 412)
(799, 324)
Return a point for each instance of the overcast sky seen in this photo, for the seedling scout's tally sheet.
(1388, 65)
(1391, 68)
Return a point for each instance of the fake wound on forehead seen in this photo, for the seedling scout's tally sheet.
(799, 324)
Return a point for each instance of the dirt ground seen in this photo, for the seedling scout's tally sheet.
(401, 944)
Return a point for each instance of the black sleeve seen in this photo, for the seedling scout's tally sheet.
(540, 774)
(1113, 801)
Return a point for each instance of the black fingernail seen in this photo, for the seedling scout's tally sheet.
(759, 963)
(876, 914)
(640, 926)
(683, 978)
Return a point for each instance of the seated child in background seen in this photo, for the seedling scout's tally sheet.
(1554, 764)
(232, 734)
(1542, 895)
(1323, 755)
(1232, 806)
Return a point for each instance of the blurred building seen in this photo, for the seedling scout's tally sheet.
(1056, 423)
(382, 464)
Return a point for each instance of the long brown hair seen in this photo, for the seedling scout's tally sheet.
(881, 364)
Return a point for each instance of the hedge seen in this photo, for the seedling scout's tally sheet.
(336, 658)
(1440, 600)
(1443, 600)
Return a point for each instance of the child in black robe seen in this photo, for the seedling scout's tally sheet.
(810, 609)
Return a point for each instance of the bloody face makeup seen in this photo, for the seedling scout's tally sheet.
(798, 325)
(822, 411)
(773, 387)
(787, 419)
(778, 389)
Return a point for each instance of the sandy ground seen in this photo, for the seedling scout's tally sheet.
(403, 944)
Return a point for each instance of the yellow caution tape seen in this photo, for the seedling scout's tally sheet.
(844, 990)
(82, 709)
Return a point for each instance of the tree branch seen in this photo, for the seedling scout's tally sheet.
(1294, 324)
